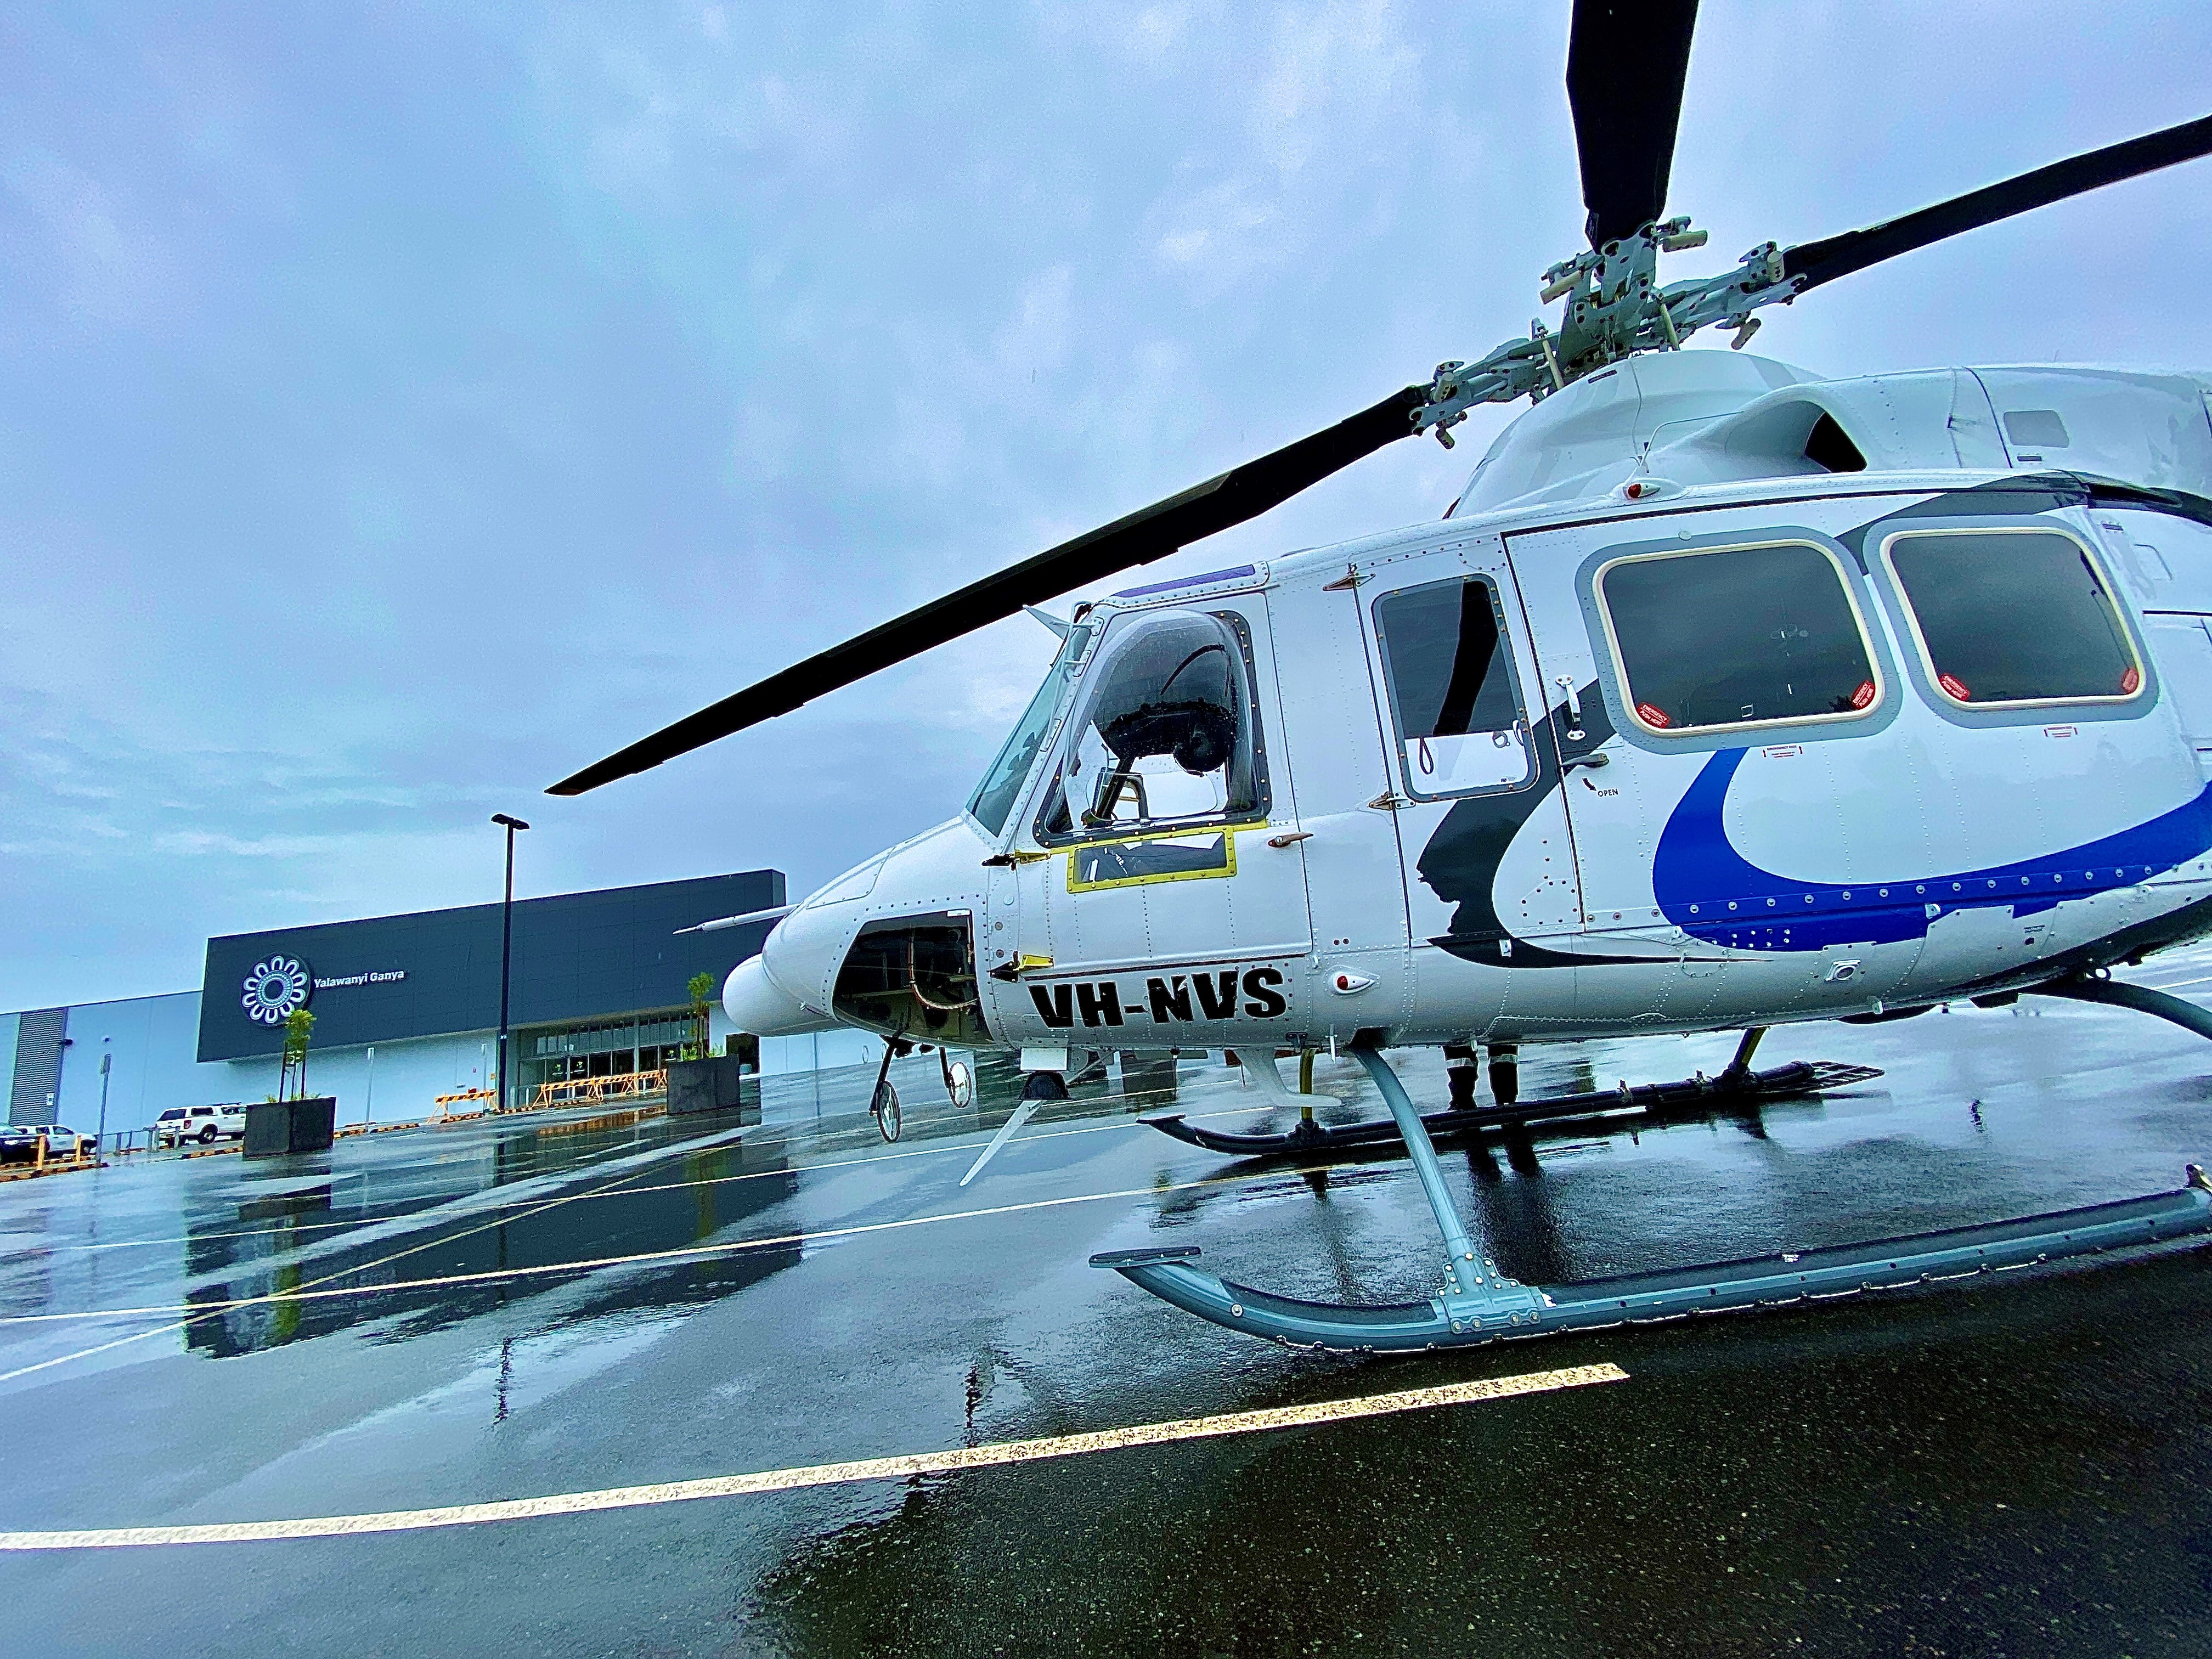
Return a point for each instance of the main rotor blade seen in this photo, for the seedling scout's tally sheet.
(1153, 532)
(1626, 61)
(1814, 263)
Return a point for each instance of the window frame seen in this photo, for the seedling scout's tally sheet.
(1513, 679)
(1069, 728)
(1875, 705)
(1932, 677)
(1067, 665)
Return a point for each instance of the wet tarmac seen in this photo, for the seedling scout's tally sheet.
(524, 1308)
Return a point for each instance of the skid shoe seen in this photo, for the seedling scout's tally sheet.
(1478, 1303)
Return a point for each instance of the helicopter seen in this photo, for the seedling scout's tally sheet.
(1722, 696)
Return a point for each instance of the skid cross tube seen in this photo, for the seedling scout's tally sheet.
(1459, 1247)
(2140, 998)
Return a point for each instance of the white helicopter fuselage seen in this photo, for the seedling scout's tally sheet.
(1666, 728)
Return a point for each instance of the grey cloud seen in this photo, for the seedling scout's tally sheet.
(405, 407)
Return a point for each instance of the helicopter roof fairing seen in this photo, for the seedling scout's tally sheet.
(1694, 418)
(1557, 450)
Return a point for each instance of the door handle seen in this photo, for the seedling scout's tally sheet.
(1290, 840)
(1566, 684)
(1595, 759)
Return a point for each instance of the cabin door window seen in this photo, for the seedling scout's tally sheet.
(1736, 637)
(1457, 711)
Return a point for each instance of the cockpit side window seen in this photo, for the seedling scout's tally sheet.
(1165, 735)
(1736, 636)
(1002, 784)
(2013, 617)
(1451, 674)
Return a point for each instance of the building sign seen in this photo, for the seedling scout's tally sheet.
(277, 987)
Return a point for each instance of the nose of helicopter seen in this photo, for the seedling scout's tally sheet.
(756, 1003)
(788, 988)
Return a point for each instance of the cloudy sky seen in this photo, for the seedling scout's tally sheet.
(401, 406)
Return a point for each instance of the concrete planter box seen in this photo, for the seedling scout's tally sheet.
(274, 1128)
(721, 1083)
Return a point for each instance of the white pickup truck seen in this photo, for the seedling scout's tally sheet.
(205, 1124)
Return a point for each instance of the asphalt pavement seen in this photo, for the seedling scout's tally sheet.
(544, 1308)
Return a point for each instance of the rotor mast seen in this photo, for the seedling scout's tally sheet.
(1627, 61)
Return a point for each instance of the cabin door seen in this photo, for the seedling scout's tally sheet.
(1489, 868)
(1161, 888)
(1731, 729)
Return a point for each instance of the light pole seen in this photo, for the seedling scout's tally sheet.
(368, 1112)
(99, 1140)
(506, 948)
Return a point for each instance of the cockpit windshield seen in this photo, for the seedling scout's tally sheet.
(994, 797)
(1166, 734)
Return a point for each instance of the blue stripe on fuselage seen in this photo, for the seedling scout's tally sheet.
(1707, 889)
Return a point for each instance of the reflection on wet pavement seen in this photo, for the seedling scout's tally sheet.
(504, 1308)
(707, 1191)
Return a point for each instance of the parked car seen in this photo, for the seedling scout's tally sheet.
(205, 1124)
(19, 1143)
(62, 1141)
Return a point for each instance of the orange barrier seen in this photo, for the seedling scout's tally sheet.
(590, 1091)
(43, 1165)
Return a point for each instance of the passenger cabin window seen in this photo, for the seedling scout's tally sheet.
(1736, 636)
(1451, 673)
(2013, 617)
(1165, 735)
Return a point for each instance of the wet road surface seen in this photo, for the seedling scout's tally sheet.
(525, 1307)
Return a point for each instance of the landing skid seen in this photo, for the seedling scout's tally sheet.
(1478, 1303)
(1654, 1102)
(1502, 1307)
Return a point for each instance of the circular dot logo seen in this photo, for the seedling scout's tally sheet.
(274, 988)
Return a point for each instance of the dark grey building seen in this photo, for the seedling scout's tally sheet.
(578, 957)
(406, 1006)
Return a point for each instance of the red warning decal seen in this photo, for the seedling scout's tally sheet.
(1955, 687)
(1652, 716)
(1863, 696)
(2131, 681)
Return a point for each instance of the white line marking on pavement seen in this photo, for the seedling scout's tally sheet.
(311, 1293)
(827, 1474)
(359, 1224)
(2176, 985)
(215, 1310)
